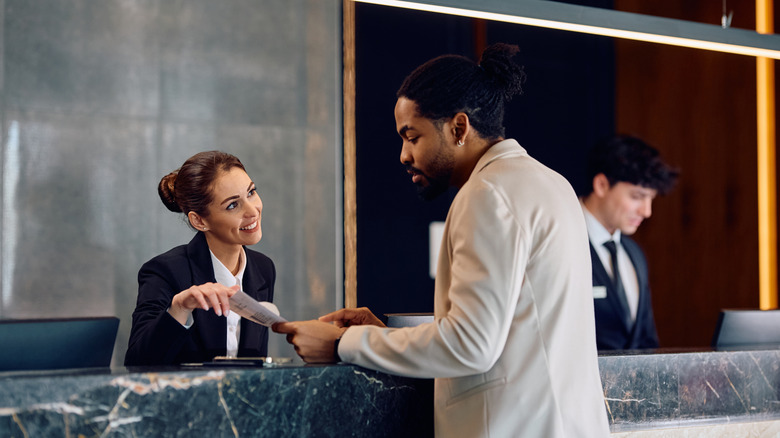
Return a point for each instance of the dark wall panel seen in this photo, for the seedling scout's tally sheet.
(699, 109)
(567, 104)
(696, 107)
(392, 223)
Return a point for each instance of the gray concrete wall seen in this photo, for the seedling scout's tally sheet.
(100, 98)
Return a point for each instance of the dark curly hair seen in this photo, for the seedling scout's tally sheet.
(449, 84)
(189, 188)
(628, 159)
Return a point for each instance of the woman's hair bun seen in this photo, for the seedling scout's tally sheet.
(166, 191)
(504, 73)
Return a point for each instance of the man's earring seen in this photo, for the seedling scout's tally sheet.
(460, 143)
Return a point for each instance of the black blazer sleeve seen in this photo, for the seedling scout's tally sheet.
(156, 338)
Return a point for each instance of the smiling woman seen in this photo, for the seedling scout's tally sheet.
(183, 311)
(232, 219)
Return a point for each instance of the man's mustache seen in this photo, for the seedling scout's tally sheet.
(412, 170)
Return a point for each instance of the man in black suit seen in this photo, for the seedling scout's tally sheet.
(625, 176)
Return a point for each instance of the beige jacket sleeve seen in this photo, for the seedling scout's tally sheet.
(481, 262)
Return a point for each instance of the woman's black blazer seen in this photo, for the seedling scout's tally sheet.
(156, 338)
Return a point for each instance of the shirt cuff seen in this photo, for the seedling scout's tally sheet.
(189, 322)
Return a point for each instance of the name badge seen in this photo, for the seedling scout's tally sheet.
(599, 292)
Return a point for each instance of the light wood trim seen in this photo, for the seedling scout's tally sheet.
(350, 202)
(767, 204)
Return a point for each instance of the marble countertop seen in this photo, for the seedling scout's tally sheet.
(642, 390)
(327, 401)
(672, 388)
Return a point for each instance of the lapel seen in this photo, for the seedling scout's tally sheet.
(200, 260)
(599, 272)
(601, 277)
(253, 282)
(635, 255)
(256, 286)
(211, 328)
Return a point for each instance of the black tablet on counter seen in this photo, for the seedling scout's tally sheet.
(741, 329)
(57, 343)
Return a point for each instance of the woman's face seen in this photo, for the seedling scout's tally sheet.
(235, 211)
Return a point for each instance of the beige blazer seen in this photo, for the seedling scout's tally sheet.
(513, 346)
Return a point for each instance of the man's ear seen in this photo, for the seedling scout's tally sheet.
(197, 222)
(460, 126)
(600, 185)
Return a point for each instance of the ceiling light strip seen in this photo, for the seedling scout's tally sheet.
(593, 30)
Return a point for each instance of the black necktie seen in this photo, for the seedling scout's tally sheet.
(618, 283)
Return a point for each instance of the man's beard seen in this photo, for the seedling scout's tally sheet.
(436, 186)
(439, 176)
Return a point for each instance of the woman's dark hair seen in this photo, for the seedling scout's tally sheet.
(449, 84)
(189, 188)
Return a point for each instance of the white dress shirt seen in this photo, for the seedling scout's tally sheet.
(599, 235)
(225, 277)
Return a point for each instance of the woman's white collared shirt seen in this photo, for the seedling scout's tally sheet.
(226, 278)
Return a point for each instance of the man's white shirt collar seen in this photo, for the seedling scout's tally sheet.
(597, 233)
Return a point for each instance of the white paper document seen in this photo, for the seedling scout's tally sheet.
(260, 312)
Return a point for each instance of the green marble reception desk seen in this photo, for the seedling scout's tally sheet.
(295, 401)
(663, 390)
(643, 391)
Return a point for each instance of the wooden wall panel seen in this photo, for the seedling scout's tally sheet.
(699, 109)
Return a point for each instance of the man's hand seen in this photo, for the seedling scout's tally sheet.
(313, 340)
(350, 316)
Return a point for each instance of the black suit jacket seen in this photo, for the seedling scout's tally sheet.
(156, 338)
(612, 333)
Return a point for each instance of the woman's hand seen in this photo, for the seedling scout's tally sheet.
(204, 296)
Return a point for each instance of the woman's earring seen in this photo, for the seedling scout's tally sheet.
(460, 143)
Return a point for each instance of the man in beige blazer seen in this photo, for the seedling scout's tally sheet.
(512, 347)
